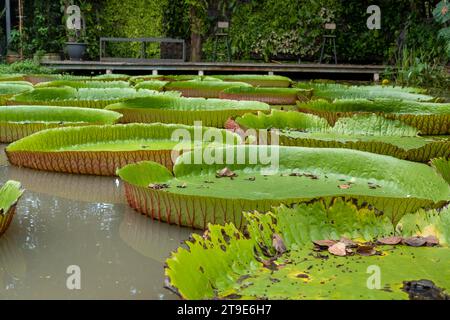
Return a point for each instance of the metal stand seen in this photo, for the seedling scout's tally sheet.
(222, 35)
(332, 40)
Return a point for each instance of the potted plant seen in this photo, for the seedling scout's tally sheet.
(75, 46)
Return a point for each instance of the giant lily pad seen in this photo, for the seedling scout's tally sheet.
(226, 264)
(156, 85)
(168, 109)
(203, 89)
(428, 118)
(17, 122)
(273, 96)
(11, 88)
(100, 150)
(10, 193)
(361, 132)
(331, 91)
(442, 165)
(84, 84)
(84, 97)
(242, 178)
(258, 80)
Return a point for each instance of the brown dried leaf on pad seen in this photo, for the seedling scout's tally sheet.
(338, 249)
(431, 241)
(390, 240)
(158, 186)
(225, 172)
(278, 244)
(415, 241)
(324, 244)
(366, 250)
(348, 243)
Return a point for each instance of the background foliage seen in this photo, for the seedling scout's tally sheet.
(260, 29)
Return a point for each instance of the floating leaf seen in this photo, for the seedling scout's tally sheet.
(299, 273)
(10, 193)
(406, 186)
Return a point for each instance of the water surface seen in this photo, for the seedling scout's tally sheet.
(65, 220)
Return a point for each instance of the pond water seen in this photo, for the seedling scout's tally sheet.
(64, 220)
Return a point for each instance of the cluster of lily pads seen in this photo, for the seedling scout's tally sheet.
(361, 180)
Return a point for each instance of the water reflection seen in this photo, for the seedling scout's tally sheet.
(65, 220)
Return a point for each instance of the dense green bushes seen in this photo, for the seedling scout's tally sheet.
(264, 29)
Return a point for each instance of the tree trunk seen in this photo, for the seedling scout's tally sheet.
(196, 47)
(196, 37)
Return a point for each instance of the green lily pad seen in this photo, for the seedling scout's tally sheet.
(100, 150)
(273, 96)
(203, 89)
(156, 85)
(370, 133)
(442, 165)
(332, 91)
(211, 195)
(258, 80)
(168, 109)
(429, 118)
(10, 193)
(10, 88)
(84, 84)
(17, 122)
(225, 263)
(83, 97)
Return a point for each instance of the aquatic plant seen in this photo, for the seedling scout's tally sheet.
(169, 109)
(10, 193)
(220, 187)
(320, 250)
(274, 96)
(332, 91)
(83, 97)
(203, 89)
(258, 80)
(17, 122)
(101, 150)
(367, 132)
(429, 118)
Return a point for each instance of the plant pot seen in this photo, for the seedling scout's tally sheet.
(50, 57)
(76, 50)
(12, 57)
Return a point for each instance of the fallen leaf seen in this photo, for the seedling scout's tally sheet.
(158, 186)
(390, 240)
(302, 276)
(431, 241)
(311, 176)
(338, 249)
(348, 243)
(324, 243)
(366, 250)
(225, 172)
(415, 241)
(278, 243)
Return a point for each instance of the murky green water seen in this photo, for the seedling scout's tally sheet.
(65, 220)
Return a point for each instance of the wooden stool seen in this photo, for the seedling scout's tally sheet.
(332, 39)
(221, 35)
